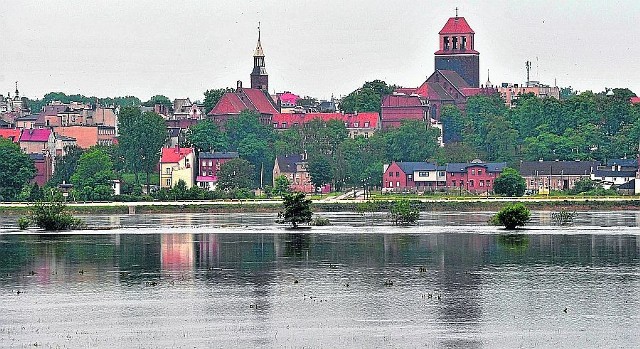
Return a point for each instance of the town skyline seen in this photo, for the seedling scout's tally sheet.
(308, 51)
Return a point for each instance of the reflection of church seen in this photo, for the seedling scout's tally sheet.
(456, 78)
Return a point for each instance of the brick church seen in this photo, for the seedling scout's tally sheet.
(456, 78)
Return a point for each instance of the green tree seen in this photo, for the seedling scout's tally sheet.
(512, 216)
(66, 166)
(16, 170)
(320, 170)
(510, 183)
(206, 136)
(211, 97)
(297, 209)
(93, 175)
(158, 99)
(413, 141)
(253, 141)
(584, 185)
(367, 98)
(235, 174)
(52, 216)
(282, 186)
(402, 213)
(142, 136)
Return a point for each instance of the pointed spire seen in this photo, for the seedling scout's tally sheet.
(456, 12)
(488, 84)
(17, 93)
(258, 52)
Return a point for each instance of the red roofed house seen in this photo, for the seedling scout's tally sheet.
(38, 141)
(358, 124)
(11, 134)
(176, 164)
(255, 99)
(399, 106)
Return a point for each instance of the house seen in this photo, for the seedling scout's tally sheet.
(358, 124)
(63, 143)
(616, 172)
(5, 124)
(11, 134)
(555, 175)
(44, 168)
(27, 122)
(38, 141)
(88, 136)
(294, 167)
(208, 166)
(474, 177)
(176, 164)
(413, 176)
(398, 107)
(511, 92)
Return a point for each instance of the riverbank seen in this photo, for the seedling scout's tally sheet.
(329, 205)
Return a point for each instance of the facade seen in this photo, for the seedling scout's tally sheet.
(294, 167)
(457, 51)
(616, 173)
(474, 177)
(358, 124)
(88, 136)
(44, 168)
(208, 166)
(398, 107)
(511, 92)
(176, 164)
(413, 176)
(39, 141)
(555, 175)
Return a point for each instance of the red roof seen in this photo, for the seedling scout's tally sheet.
(259, 99)
(456, 25)
(38, 135)
(401, 101)
(349, 119)
(10, 133)
(172, 155)
(396, 108)
(635, 100)
(229, 103)
(244, 99)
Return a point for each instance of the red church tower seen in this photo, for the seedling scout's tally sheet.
(457, 51)
(259, 76)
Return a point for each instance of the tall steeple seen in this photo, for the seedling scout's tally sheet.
(259, 76)
(457, 50)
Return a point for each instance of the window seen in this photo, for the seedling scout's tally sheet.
(488, 183)
(471, 183)
(441, 174)
(410, 177)
(463, 43)
(423, 174)
(390, 185)
(479, 172)
(168, 182)
(295, 124)
(284, 125)
(397, 184)
(366, 124)
(481, 183)
(167, 170)
(453, 183)
(275, 125)
(473, 171)
(397, 174)
(455, 42)
(462, 183)
(366, 135)
(446, 44)
(390, 174)
(356, 124)
(204, 173)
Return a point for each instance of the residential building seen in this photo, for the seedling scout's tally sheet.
(542, 176)
(511, 92)
(185, 113)
(176, 164)
(27, 122)
(398, 107)
(40, 141)
(413, 176)
(63, 143)
(88, 136)
(358, 124)
(616, 172)
(44, 168)
(294, 167)
(5, 124)
(474, 177)
(286, 101)
(209, 165)
(11, 134)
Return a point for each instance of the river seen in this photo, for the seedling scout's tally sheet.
(239, 280)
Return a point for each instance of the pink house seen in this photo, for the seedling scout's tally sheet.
(474, 177)
(209, 165)
(37, 141)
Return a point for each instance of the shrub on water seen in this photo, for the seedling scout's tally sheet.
(402, 213)
(511, 216)
(320, 221)
(51, 215)
(23, 223)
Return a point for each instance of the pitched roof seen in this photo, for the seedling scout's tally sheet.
(10, 133)
(410, 167)
(52, 110)
(635, 100)
(461, 167)
(611, 173)
(260, 100)
(38, 135)
(229, 103)
(623, 162)
(219, 155)
(244, 99)
(455, 79)
(171, 155)
(545, 168)
(456, 25)
(288, 163)
(27, 118)
(349, 119)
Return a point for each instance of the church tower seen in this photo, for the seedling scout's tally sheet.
(457, 51)
(259, 76)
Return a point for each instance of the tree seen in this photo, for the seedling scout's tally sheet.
(584, 185)
(297, 209)
(142, 136)
(367, 98)
(66, 165)
(512, 216)
(403, 214)
(235, 174)
(319, 170)
(282, 186)
(16, 170)
(93, 175)
(51, 215)
(510, 183)
(158, 99)
(211, 97)
(206, 136)
(413, 141)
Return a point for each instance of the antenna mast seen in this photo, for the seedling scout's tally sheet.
(527, 65)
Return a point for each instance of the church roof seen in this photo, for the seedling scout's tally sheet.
(244, 99)
(455, 79)
(259, 52)
(456, 25)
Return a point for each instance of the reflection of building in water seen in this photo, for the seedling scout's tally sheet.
(177, 252)
(208, 250)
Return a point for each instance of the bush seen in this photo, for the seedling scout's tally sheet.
(320, 221)
(512, 216)
(403, 214)
(23, 223)
(51, 215)
(297, 209)
(563, 217)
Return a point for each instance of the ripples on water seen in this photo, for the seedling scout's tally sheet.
(238, 280)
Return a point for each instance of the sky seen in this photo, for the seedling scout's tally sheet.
(315, 48)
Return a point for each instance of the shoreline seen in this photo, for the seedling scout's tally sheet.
(273, 206)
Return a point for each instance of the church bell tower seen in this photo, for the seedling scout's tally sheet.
(259, 76)
(457, 50)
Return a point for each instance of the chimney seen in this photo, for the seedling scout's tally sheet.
(177, 149)
(239, 84)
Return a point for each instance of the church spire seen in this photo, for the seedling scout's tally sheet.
(258, 52)
(17, 93)
(259, 77)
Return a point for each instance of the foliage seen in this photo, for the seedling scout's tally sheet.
(512, 216)
(515, 242)
(510, 183)
(402, 213)
(563, 217)
(51, 215)
(206, 136)
(282, 186)
(93, 175)
(367, 98)
(235, 174)
(413, 141)
(297, 209)
(320, 221)
(211, 97)
(158, 99)
(23, 223)
(16, 170)
(254, 142)
(142, 136)
(66, 165)
(319, 170)
(36, 105)
(584, 185)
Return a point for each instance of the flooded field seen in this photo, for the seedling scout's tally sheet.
(239, 280)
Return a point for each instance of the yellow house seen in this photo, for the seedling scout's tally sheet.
(176, 164)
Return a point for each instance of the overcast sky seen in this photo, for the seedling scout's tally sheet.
(318, 48)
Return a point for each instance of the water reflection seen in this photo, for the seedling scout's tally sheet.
(349, 287)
